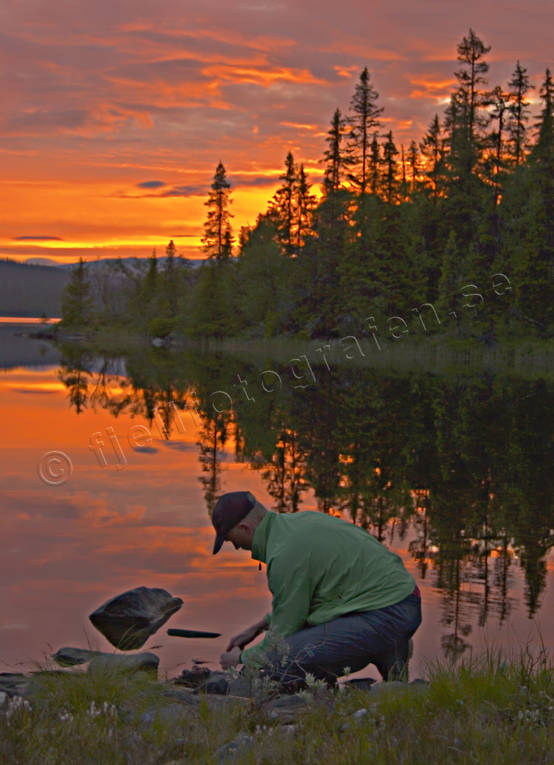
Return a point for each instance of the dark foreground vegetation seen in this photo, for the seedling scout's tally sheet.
(493, 712)
(451, 235)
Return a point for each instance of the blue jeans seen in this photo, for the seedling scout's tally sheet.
(352, 641)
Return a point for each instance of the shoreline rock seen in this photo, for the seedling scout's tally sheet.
(127, 620)
(138, 662)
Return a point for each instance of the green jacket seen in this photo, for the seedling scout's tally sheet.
(320, 567)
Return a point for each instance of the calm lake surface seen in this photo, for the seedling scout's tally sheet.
(452, 470)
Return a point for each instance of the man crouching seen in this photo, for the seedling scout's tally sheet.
(340, 598)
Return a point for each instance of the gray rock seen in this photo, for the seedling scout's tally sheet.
(294, 701)
(158, 342)
(205, 681)
(3, 697)
(193, 678)
(217, 682)
(286, 708)
(224, 702)
(13, 683)
(116, 662)
(219, 686)
(129, 619)
(240, 686)
(359, 714)
(234, 749)
(167, 714)
(186, 697)
(70, 657)
(420, 682)
(360, 683)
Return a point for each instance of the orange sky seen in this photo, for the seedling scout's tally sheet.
(115, 115)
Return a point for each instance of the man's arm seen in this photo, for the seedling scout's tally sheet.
(290, 583)
(248, 635)
(231, 657)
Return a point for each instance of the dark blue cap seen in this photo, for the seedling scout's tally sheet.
(230, 509)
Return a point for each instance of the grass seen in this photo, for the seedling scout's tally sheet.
(527, 357)
(487, 711)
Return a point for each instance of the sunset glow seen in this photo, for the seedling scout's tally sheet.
(114, 119)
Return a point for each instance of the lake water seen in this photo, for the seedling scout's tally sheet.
(14, 321)
(109, 465)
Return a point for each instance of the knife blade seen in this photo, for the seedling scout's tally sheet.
(193, 633)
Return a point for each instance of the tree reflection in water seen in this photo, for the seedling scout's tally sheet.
(460, 463)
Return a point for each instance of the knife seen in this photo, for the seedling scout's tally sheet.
(193, 634)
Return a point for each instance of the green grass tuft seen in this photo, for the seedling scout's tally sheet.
(491, 711)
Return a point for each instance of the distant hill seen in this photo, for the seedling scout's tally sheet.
(41, 262)
(131, 263)
(30, 290)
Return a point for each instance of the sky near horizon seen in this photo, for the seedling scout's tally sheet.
(117, 113)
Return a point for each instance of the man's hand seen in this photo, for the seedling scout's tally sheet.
(247, 635)
(230, 658)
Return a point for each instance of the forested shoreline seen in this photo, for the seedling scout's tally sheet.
(450, 235)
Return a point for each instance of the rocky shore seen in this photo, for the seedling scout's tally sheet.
(183, 697)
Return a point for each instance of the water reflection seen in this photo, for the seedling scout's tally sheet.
(458, 468)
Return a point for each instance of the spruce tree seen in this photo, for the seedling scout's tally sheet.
(542, 161)
(468, 197)
(358, 266)
(334, 157)
(432, 149)
(459, 155)
(519, 113)
(145, 300)
(363, 119)
(218, 220)
(449, 283)
(262, 283)
(212, 313)
(471, 78)
(543, 149)
(228, 242)
(495, 162)
(282, 212)
(390, 183)
(528, 214)
(413, 163)
(404, 177)
(375, 165)
(151, 279)
(76, 298)
(170, 285)
(305, 205)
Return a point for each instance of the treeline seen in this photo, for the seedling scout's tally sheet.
(396, 232)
